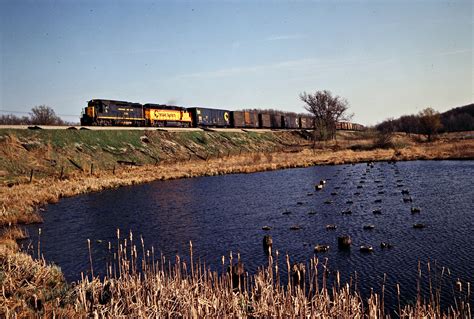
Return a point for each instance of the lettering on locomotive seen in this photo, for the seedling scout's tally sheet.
(169, 115)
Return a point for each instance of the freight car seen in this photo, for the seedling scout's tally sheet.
(348, 126)
(306, 122)
(209, 117)
(244, 119)
(276, 120)
(290, 121)
(264, 120)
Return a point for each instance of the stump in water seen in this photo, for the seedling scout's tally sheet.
(298, 274)
(344, 242)
(267, 244)
(238, 275)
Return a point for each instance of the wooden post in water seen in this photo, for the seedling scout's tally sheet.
(31, 175)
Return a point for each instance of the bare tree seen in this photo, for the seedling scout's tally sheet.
(385, 133)
(10, 119)
(408, 124)
(430, 122)
(44, 115)
(327, 110)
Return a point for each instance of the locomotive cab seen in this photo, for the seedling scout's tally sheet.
(88, 115)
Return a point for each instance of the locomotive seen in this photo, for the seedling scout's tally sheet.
(120, 113)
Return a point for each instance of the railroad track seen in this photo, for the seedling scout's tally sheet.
(130, 128)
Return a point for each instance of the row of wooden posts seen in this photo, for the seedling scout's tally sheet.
(157, 161)
(61, 175)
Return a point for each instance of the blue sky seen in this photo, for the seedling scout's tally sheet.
(387, 58)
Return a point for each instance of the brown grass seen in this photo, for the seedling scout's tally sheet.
(28, 285)
(139, 284)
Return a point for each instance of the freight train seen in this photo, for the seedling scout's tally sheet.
(120, 113)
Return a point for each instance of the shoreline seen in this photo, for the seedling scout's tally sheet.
(21, 203)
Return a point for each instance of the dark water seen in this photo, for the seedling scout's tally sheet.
(226, 213)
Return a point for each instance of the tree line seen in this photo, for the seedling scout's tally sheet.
(39, 115)
(328, 109)
(429, 122)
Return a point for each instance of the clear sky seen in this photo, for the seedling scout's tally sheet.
(387, 58)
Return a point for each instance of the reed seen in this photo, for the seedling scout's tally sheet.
(138, 285)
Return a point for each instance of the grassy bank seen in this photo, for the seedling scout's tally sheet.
(50, 152)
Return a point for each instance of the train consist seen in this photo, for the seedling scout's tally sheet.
(120, 113)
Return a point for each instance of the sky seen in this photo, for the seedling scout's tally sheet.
(387, 58)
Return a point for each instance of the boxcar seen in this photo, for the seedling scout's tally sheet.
(111, 112)
(244, 119)
(209, 117)
(342, 126)
(306, 122)
(276, 120)
(166, 115)
(290, 121)
(264, 120)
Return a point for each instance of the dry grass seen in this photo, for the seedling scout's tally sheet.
(139, 284)
(29, 287)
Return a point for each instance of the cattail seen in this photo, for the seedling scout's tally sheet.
(90, 257)
(39, 242)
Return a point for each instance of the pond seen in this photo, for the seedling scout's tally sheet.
(226, 213)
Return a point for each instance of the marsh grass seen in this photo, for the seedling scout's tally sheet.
(29, 287)
(139, 282)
